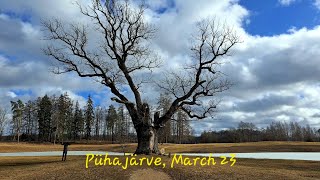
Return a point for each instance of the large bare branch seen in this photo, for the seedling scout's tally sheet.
(124, 32)
(201, 79)
(122, 51)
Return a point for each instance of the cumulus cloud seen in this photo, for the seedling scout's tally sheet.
(275, 77)
(316, 3)
(265, 103)
(11, 94)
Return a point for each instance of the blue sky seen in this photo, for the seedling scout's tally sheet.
(269, 17)
(273, 67)
(23, 16)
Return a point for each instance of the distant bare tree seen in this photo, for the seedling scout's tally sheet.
(123, 52)
(165, 134)
(3, 120)
(183, 129)
(17, 117)
(98, 121)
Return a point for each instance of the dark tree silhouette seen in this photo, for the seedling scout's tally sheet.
(89, 118)
(44, 119)
(123, 51)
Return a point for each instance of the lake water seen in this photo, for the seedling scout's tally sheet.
(310, 156)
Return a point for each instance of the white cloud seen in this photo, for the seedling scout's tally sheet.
(158, 4)
(31, 32)
(269, 72)
(3, 61)
(316, 3)
(282, 118)
(286, 2)
(11, 94)
(4, 17)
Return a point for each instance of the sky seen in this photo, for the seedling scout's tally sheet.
(275, 70)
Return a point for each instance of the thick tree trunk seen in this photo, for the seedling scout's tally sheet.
(147, 140)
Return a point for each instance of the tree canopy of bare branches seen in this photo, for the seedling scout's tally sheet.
(201, 79)
(123, 51)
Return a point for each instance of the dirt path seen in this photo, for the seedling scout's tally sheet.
(149, 174)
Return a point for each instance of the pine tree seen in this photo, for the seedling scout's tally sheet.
(111, 119)
(69, 116)
(31, 119)
(44, 119)
(76, 124)
(105, 124)
(98, 121)
(121, 124)
(65, 117)
(81, 124)
(61, 113)
(89, 117)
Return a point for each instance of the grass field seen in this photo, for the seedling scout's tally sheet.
(75, 166)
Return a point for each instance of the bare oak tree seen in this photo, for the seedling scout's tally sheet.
(123, 51)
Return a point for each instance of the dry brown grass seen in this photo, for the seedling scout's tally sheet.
(74, 168)
(205, 148)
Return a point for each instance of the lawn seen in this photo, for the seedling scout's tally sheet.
(75, 166)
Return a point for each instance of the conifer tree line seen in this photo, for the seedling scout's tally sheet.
(276, 131)
(59, 118)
